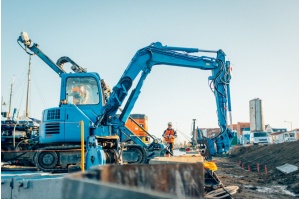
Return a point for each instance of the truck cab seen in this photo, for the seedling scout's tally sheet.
(261, 137)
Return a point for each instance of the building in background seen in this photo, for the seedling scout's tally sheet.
(282, 136)
(294, 133)
(240, 127)
(271, 130)
(257, 120)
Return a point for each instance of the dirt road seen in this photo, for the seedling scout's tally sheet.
(259, 185)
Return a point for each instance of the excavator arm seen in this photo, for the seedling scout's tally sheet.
(144, 59)
(33, 49)
(156, 54)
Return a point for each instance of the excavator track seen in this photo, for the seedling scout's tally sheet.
(47, 158)
(58, 158)
(138, 151)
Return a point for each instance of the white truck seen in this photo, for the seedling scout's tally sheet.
(261, 137)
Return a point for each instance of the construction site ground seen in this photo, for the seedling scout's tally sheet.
(269, 182)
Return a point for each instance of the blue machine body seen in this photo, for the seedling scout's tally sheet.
(95, 155)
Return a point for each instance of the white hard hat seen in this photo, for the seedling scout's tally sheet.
(170, 123)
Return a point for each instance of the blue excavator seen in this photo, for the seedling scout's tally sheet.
(84, 97)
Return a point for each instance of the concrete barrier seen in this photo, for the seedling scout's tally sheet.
(31, 185)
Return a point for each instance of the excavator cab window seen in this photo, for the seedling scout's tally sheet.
(81, 91)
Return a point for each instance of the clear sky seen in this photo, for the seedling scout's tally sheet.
(259, 37)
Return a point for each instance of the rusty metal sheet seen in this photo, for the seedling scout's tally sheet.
(139, 181)
(179, 179)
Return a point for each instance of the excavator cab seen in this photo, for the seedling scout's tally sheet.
(81, 99)
(82, 90)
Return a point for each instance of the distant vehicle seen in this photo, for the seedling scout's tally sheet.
(290, 139)
(259, 138)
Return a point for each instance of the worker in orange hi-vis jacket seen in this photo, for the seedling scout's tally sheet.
(169, 136)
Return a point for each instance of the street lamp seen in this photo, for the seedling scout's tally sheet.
(290, 123)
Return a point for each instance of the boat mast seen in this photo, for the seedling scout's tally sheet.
(10, 96)
(28, 88)
(2, 104)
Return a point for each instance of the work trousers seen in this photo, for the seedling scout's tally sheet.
(171, 146)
